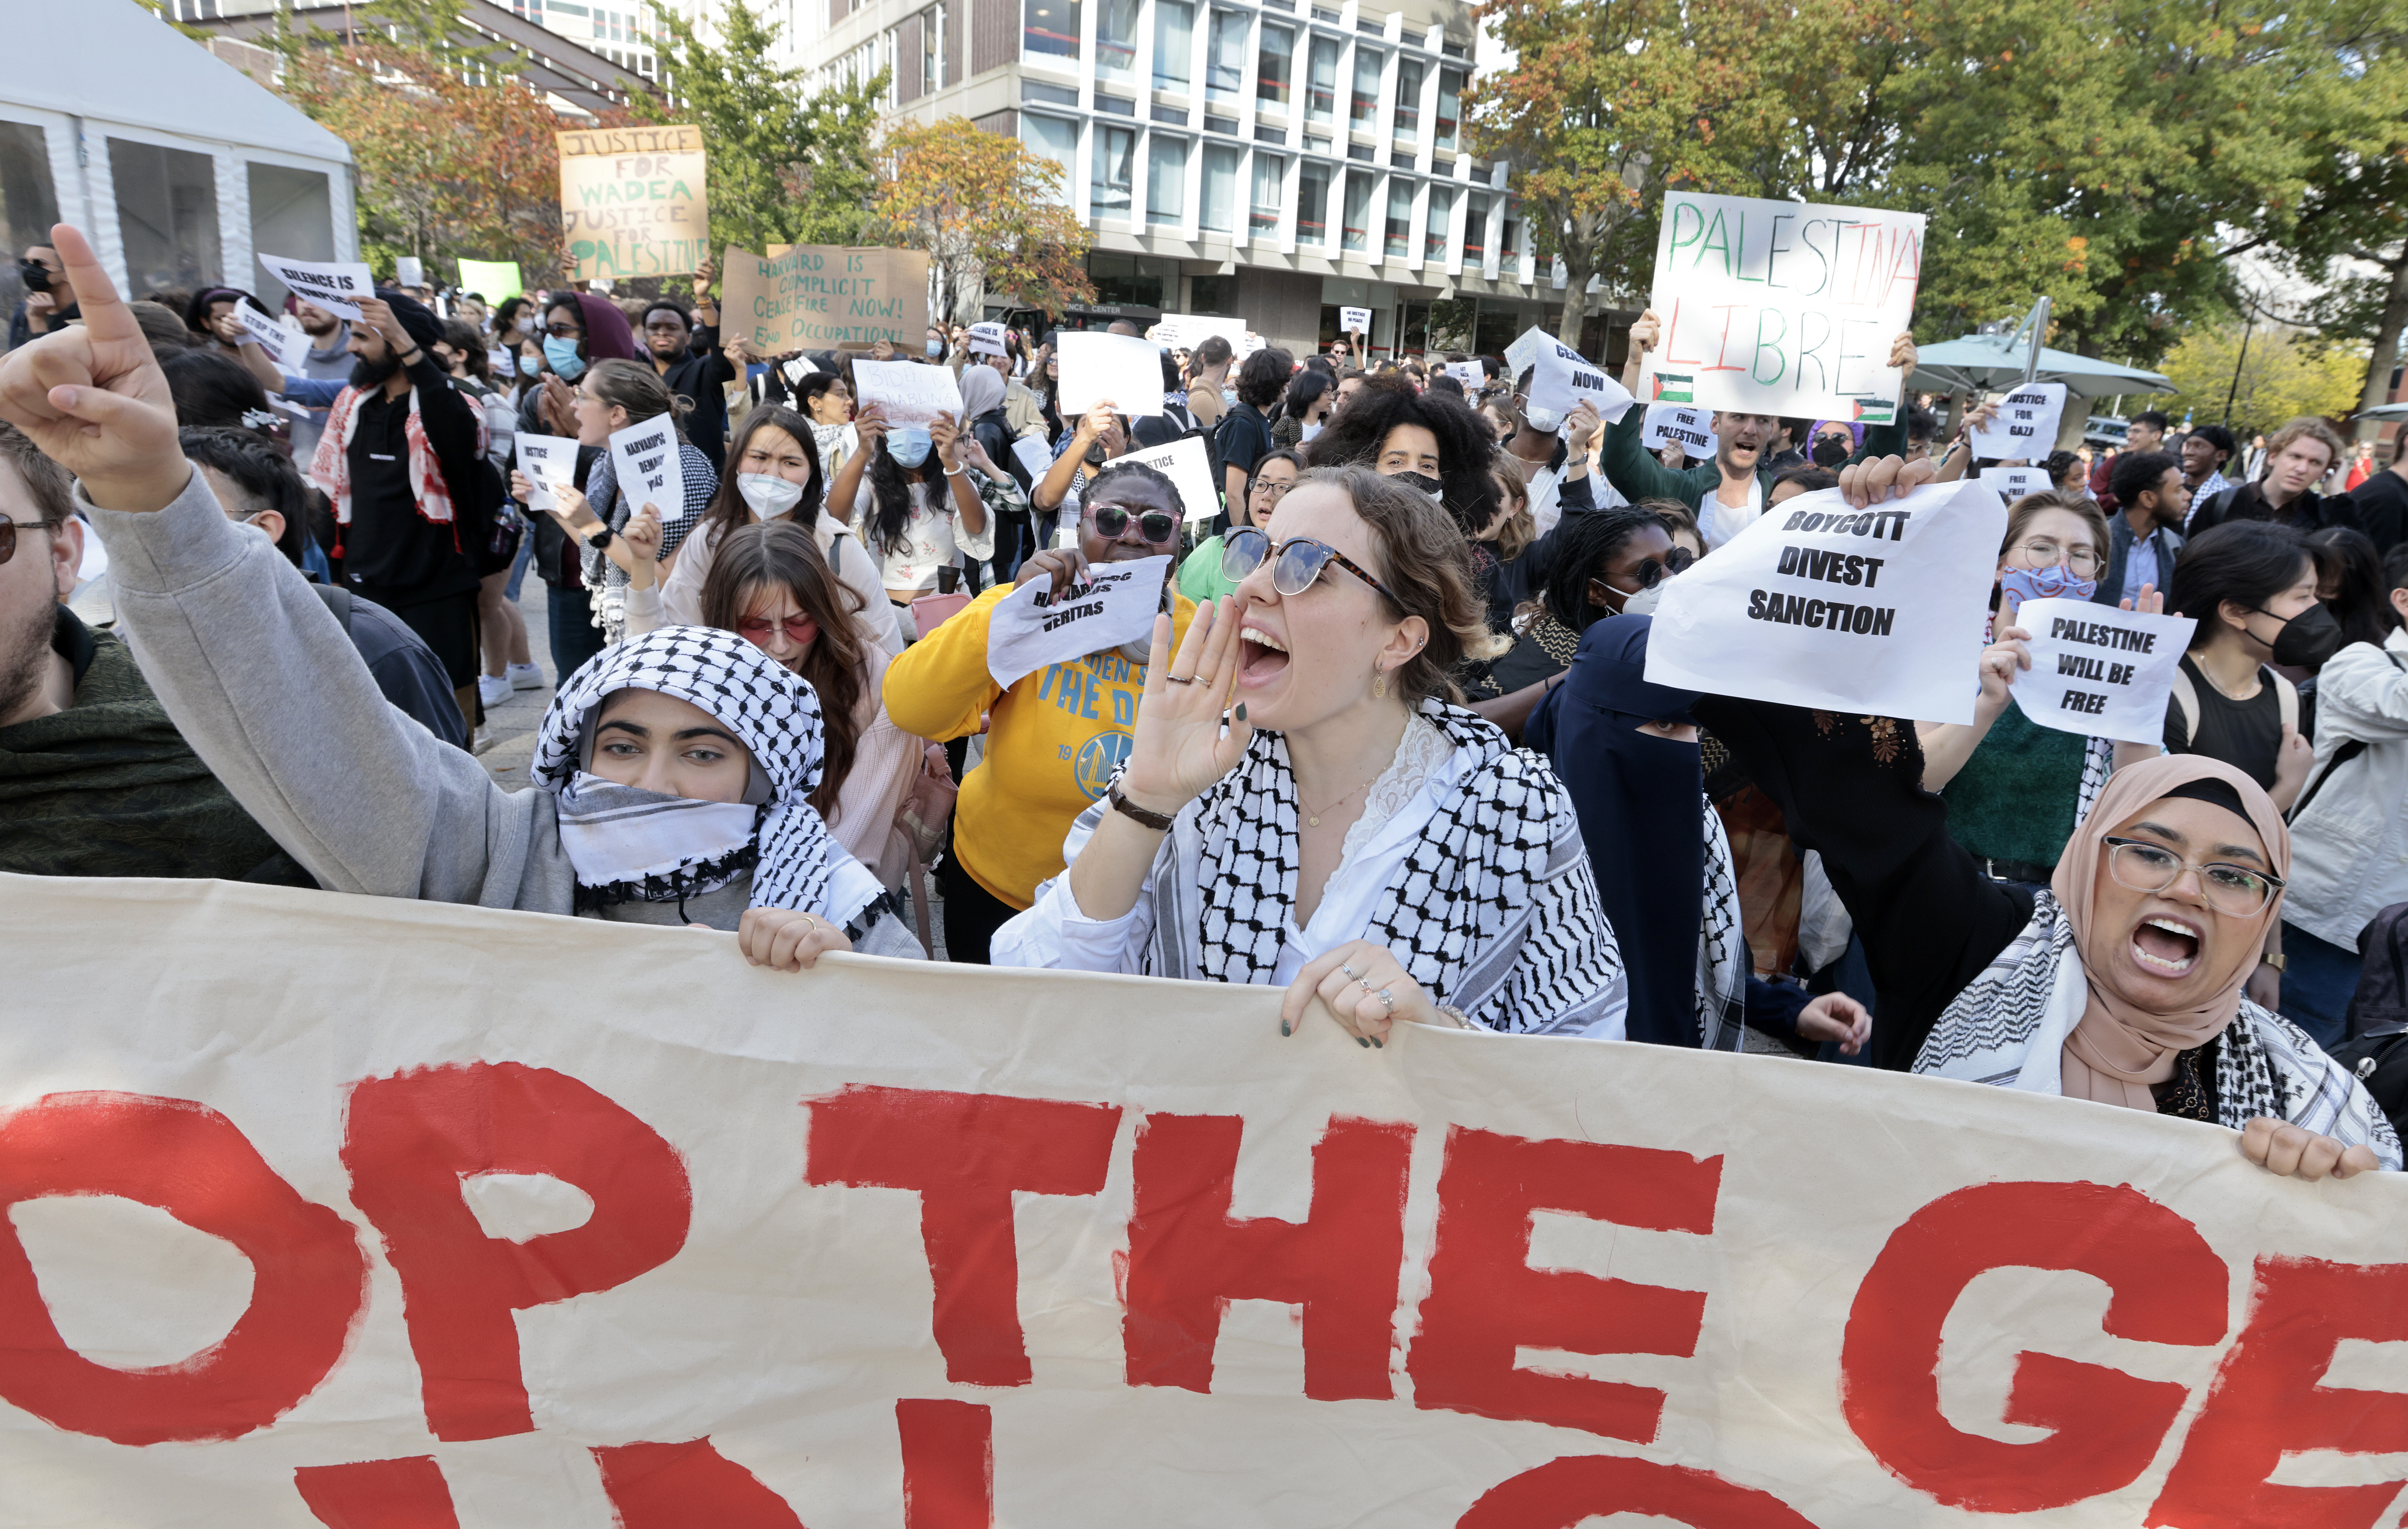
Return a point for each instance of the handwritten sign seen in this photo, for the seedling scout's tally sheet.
(1121, 371)
(823, 296)
(986, 339)
(1032, 627)
(906, 392)
(335, 286)
(548, 461)
(1875, 611)
(288, 348)
(1355, 320)
(1187, 331)
(2099, 671)
(645, 459)
(633, 201)
(2013, 483)
(1189, 465)
(1561, 380)
(1678, 424)
(2025, 425)
(1782, 308)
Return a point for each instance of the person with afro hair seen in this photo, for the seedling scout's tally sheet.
(1432, 441)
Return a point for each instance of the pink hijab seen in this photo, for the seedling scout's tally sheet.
(2117, 1050)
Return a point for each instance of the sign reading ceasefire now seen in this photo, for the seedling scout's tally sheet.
(303, 1215)
(632, 202)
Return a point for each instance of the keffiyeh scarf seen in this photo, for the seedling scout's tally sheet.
(330, 469)
(1723, 963)
(628, 844)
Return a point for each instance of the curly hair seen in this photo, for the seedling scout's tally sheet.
(783, 554)
(1466, 448)
(1426, 563)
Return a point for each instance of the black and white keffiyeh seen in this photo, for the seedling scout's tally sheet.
(1723, 963)
(634, 845)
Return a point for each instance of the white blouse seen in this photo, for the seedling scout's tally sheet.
(933, 539)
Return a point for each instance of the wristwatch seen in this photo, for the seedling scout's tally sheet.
(602, 540)
(1159, 821)
(2275, 959)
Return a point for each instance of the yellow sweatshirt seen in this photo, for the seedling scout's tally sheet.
(1053, 741)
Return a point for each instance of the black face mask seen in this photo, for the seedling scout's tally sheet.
(36, 275)
(2308, 639)
(1422, 482)
(1832, 450)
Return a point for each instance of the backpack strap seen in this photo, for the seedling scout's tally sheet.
(2186, 696)
(2349, 749)
(339, 603)
(2287, 697)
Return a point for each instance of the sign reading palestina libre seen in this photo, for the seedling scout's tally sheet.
(1781, 308)
(632, 202)
(304, 1217)
(826, 296)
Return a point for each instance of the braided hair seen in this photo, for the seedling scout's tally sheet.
(1582, 543)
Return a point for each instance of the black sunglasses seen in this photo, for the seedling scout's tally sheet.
(1651, 572)
(1155, 525)
(1298, 563)
(9, 529)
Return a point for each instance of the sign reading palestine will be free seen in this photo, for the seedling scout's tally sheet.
(632, 201)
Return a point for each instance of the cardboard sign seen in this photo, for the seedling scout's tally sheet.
(645, 459)
(824, 297)
(289, 348)
(1779, 308)
(987, 339)
(2027, 424)
(1187, 463)
(408, 271)
(1875, 612)
(1032, 627)
(1469, 373)
(335, 286)
(906, 392)
(492, 280)
(2013, 483)
(2099, 671)
(1355, 320)
(549, 462)
(1561, 379)
(1676, 424)
(332, 1200)
(633, 201)
(1121, 371)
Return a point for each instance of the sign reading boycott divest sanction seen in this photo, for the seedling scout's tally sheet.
(821, 296)
(1873, 611)
(339, 1210)
(633, 201)
(1779, 307)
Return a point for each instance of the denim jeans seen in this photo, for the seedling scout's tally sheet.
(575, 638)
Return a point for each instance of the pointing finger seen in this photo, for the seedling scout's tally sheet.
(105, 317)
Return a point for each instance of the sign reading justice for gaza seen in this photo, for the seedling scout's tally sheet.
(1779, 307)
(2097, 670)
(821, 296)
(632, 201)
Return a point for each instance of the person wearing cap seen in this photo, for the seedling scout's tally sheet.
(398, 462)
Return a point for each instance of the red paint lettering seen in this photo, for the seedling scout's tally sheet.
(406, 1493)
(412, 1138)
(1485, 1300)
(2266, 1401)
(948, 1465)
(2169, 1288)
(309, 1277)
(671, 1486)
(1564, 1492)
(1188, 1259)
(1722, 363)
(965, 1154)
(1672, 330)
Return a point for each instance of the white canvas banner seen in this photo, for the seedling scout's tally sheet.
(2025, 429)
(1779, 308)
(1032, 627)
(335, 286)
(1122, 371)
(1677, 424)
(550, 462)
(1188, 465)
(289, 348)
(906, 392)
(2097, 670)
(646, 459)
(331, 1210)
(1875, 611)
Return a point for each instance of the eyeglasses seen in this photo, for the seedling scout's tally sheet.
(757, 629)
(1155, 525)
(9, 529)
(2041, 552)
(1298, 561)
(1272, 489)
(2232, 890)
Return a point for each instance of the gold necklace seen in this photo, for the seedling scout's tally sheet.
(1312, 819)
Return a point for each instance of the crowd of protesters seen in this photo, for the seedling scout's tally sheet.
(1390, 746)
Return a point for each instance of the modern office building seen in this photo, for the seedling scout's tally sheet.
(1272, 160)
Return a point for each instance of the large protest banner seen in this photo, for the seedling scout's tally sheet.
(633, 201)
(820, 296)
(326, 1210)
(1779, 308)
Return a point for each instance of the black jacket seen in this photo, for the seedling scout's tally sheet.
(700, 378)
(2310, 511)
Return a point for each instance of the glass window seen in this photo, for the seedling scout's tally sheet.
(1116, 39)
(1174, 44)
(1112, 172)
(1509, 238)
(1212, 294)
(1165, 180)
(1364, 109)
(1321, 83)
(1475, 230)
(1270, 184)
(932, 50)
(1450, 108)
(292, 213)
(1356, 231)
(1400, 218)
(1313, 203)
(167, 210)
(1049, 26)
(1441, 207)
(1225, 56)
(29, 204)
(1055, 138)
(1409, 99)
(1274, 66)
(1219, 207)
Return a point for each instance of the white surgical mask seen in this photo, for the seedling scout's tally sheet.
(769, 496)
(525, 323)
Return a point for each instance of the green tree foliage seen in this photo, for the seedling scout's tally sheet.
(2285, 373)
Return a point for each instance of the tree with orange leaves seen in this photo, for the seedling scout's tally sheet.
(990, 214)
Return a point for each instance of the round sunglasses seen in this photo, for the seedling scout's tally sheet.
(1296, 561)
(756, 630)
(1156, 526)
(9, 529)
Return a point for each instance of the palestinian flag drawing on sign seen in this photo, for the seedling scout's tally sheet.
(1671, 389)
(1876, 411)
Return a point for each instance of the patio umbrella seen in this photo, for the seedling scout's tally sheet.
(1996, 362)
(2382, 411)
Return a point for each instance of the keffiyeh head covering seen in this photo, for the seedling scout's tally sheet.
(631, 844)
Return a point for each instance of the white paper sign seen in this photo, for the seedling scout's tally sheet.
(1035, 455)
(2013, 483)
(986, 339)
(1469, 373)
(1188, 465)
(299, 412)
(504, 365)
(1779, 307)
(1875, 612)
(1562, 378)
(335, 286)
(906, 393)
(1032, 627)
(2099, 671)
(1190, 330)
(1355, 320)
(1524, 353)
(645, 459)
(1121, 371)
(408, 271)
(1677, 424)
(288, 348)
(549, 462)
(2026, 426)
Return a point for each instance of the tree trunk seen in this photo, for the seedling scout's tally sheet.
(2386, 342)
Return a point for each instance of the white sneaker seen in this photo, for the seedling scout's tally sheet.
(481, 739)
(526, 677)
(492, 689)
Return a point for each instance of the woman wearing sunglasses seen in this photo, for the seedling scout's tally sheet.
(1055, 736)
(1348, 835)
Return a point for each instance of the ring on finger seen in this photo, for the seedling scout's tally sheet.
(1365, 983)
(1350, 972)
(1386, 1000)
(1178, 679)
